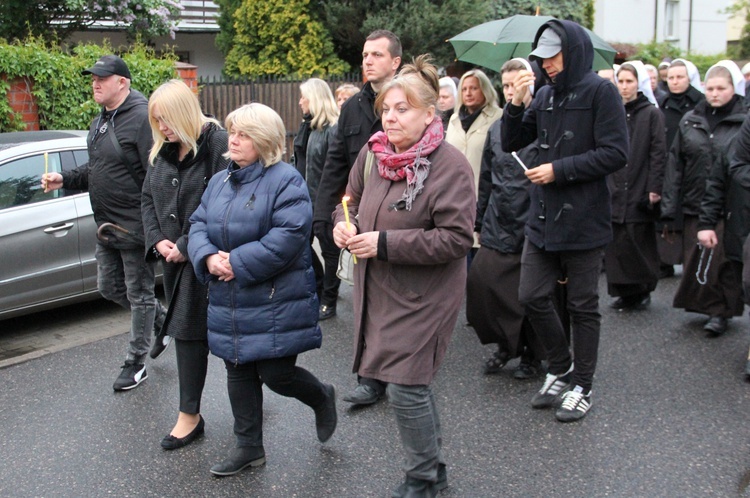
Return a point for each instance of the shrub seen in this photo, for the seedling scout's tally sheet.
(63, 96)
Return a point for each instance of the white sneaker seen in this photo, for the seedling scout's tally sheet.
(553, 387)
(574, 406)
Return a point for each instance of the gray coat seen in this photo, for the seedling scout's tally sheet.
(405, 307)
(171, 192)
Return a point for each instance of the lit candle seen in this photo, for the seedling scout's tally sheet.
(346, 217)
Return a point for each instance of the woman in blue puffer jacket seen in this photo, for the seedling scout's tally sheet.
(249, 241)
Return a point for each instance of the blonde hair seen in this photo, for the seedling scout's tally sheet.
(346, 88)
(322, 104)
(180, 110)
(489, 92)
(263, 126)
(419, 81)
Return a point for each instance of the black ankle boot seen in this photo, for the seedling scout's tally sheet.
(415, 488)
(239, 459)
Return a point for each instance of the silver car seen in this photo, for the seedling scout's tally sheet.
(47, 241)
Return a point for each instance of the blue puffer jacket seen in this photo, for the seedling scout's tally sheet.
(262, 218)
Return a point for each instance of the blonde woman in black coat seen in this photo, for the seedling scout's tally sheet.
(188, 148)
(632, 260)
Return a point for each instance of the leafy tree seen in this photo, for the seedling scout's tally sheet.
(581, 12)
(742, 50)
(58, 19)
(280, 37)
(422, 25)
(225, 37)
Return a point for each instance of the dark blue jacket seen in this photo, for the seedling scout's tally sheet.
(262, 217)
(579, 121)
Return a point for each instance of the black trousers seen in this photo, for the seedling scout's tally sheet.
(330, 252)
(540, 271)
(245, 386)
(192, 364)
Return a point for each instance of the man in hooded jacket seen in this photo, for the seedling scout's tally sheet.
(579, 122)
(119, 142)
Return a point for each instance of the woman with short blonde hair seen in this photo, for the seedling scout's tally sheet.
(264, 126)
(250, 244)
(343, 92)
(476, 110)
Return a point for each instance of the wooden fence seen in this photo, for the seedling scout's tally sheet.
(220, 96)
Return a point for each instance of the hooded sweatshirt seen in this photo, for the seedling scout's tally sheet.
(115, 195)
(579, 121)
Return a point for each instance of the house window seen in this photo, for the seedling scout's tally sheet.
(672, 20)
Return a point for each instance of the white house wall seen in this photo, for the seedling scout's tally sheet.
(632, 21)
(200, 47)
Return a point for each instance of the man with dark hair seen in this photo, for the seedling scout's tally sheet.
(381, 58)
(579, 122)
(119, 143)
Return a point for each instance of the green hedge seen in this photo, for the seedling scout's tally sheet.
(64, 97)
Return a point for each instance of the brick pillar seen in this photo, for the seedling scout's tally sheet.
(23, 102)
(189, 75)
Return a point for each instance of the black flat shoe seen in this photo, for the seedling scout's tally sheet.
(172, 443)
(240, 459)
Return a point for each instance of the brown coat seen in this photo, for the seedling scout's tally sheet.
(406, 307)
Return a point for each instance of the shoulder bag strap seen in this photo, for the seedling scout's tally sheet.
(368, 167)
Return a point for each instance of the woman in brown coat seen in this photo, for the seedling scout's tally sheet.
(410, 227)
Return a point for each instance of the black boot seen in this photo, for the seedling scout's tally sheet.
(325, 415)
(415, 488)
(239, 459)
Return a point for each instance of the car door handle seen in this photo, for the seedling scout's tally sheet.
(59, 228)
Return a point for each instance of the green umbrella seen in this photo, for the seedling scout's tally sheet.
(493, 43)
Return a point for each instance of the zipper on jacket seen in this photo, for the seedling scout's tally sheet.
(273, 291)
(234, 330)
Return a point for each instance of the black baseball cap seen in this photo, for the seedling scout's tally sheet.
(107, 66)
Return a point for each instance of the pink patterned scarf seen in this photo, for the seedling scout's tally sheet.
(411, 164)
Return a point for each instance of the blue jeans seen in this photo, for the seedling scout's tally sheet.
(419, 427)
(540, 271)
(124, 277)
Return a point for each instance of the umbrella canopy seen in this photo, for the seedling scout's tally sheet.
(493, 43)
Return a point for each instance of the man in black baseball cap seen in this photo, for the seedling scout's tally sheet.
(119, 143)
(107, 66)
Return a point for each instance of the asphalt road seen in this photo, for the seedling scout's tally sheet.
(669, 418)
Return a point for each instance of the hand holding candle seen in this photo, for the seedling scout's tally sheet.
(518, 159)
(346, 217)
